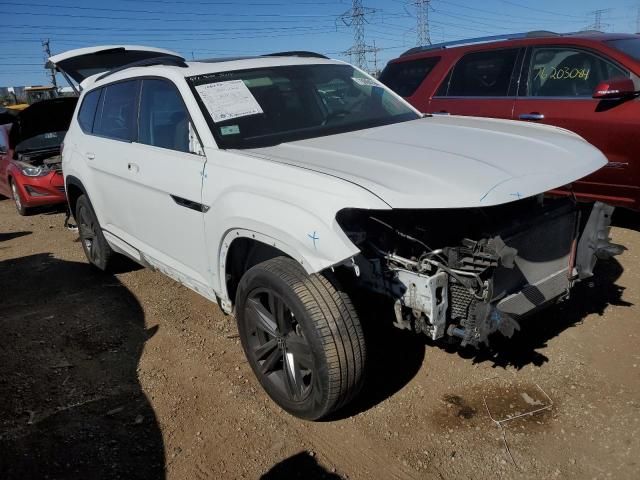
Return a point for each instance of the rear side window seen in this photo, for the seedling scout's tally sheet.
(568, 72)
(116, 118)
(87, 112)
(630, 46)
(163, 120)
(404, 78)
(481, 74)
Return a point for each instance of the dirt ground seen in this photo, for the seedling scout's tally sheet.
(133, 376)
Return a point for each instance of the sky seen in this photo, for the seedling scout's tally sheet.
(215, 28)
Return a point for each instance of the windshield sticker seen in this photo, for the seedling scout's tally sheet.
(230, 130)
(228, 100)
(366, 82)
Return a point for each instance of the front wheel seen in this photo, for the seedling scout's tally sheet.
(95, 246)
(302, 338)
(17, 199)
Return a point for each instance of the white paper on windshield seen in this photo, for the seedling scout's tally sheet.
(366, 82)
(228, 100)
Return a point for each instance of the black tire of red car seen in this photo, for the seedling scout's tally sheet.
(302, 338)
(17, 199)
(95, 246)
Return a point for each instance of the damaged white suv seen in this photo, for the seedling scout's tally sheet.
(266, 183)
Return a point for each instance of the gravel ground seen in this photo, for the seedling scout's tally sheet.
(130, 375)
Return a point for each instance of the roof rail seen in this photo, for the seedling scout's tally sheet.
(296, 53)
(472, 41)
(172, 60)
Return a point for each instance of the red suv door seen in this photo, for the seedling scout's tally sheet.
(481, 84)
(556, 88)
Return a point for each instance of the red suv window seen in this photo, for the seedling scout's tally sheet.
(481, 74)
(404, 78)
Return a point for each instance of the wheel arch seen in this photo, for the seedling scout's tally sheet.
(74, 189)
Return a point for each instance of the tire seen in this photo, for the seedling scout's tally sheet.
(302, 338)
(95, 246)
(17, 199)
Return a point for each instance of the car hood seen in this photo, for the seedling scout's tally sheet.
(446, 162)
(42, 117)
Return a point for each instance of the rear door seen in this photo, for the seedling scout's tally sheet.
(557, 87)
(480, 84)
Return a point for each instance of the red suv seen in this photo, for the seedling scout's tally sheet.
(586, 82)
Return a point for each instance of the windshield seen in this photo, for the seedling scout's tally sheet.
(267, 106)
(45, 141)
(630, 46)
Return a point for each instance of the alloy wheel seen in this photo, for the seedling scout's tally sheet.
(278, 345)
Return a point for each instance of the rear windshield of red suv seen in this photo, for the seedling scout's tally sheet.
(404, 78)
(630, 46)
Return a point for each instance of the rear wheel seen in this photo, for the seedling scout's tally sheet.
(301, 336)
(95, 246)
(17, 199)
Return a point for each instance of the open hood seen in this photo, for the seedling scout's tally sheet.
(47, 116)
(446, 162)
(81, 63)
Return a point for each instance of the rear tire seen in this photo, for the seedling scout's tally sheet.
(95, 246)
(17, 199)
(302, 338)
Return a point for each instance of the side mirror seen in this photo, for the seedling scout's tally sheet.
(615, 89)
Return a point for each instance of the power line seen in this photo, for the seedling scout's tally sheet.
(356, 17)
(597, 19)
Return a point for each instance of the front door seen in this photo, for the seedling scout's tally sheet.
(481, 84)
(557, 88)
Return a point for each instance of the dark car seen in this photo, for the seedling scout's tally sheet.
(586, 82)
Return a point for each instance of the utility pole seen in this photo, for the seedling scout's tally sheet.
(423, 36)
(638, 20)
(356, 17)
(52, 70)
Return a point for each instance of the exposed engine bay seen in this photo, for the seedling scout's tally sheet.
(46, 160)
(467, 273)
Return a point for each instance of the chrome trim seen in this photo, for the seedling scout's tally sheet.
(531, 116)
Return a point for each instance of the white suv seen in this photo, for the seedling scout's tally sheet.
(276, 185)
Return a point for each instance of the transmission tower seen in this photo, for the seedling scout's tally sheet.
(356, 17)
(47, 53)
(638, 20)
(597, 19)
(422, 27)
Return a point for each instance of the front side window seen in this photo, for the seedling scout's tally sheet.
(481, 74)
(116, 118)
(87, 112)
(567, 72)
(267, 106)
(163, 120)
(404, 78)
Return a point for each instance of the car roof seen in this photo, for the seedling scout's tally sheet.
(206, 67)
(514, 39)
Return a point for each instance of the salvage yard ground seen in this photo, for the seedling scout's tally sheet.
(133, 376)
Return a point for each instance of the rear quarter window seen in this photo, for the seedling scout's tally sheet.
(404, 78)
(87, 112)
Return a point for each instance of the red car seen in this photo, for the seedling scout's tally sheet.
(30, 147)
(585, 82)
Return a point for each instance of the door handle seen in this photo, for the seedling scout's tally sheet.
(90, 155)
(532, 116)
(133, 167)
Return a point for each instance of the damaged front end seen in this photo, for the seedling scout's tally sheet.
(468, 273)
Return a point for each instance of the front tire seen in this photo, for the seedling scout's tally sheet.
(17, 199)
(95, 246)
(302, 338)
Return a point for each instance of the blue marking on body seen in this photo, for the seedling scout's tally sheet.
(314, 237)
